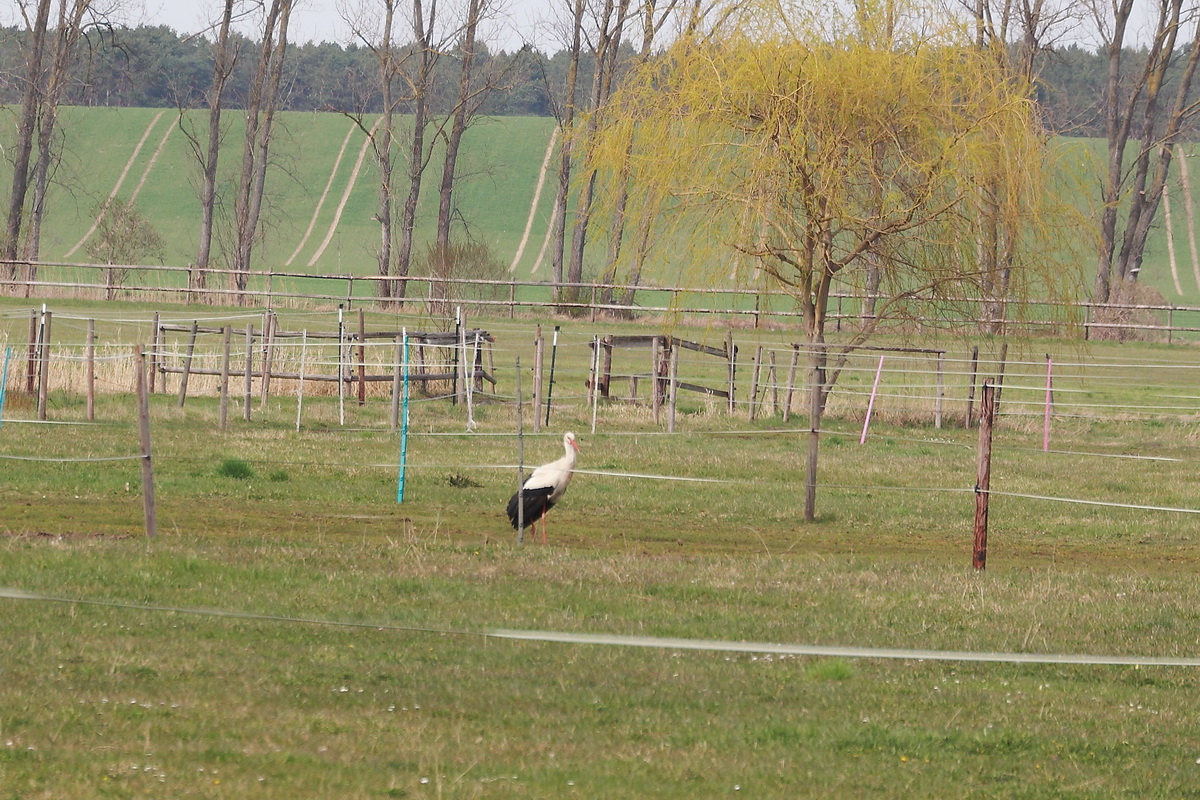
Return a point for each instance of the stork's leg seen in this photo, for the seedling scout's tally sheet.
(544, 528)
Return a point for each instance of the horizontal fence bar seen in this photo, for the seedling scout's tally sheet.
(565, 297)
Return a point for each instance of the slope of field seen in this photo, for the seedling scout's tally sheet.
(112, 152)
(322, 194)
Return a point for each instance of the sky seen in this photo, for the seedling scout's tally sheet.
(320, 20)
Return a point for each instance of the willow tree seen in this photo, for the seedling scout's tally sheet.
(831, 150)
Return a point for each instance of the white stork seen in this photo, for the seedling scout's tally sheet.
(544, 488)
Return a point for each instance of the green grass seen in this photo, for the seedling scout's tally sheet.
(359, 666)
(498, 168)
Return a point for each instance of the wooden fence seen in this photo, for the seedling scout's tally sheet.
(759, 307)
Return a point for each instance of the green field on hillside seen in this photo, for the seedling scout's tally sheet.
(318, 221)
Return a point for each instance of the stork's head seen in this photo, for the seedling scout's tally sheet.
(569, 441)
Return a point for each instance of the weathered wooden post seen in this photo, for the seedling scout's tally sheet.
(144, 434)
(91, 370)
(154, 350)
(44, 366)
(791, 383)
(731, 354)
(595, 379)
(971, 387)
(941, 392)
(655, 377)
(227, 336)
(773, 381)
(521, 450)
(754, 383)
(249, 374)
(270, 329)
(983, 474)
(674, 379)
(187, 363)
(539, 355)
(1000, 375)
(300, 384)
(31, 358)
(606, 368)
(362, 357)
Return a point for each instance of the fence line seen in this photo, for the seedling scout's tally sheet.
(618, 640)
(442, 293)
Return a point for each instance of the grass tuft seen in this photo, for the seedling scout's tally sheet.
(235, 468)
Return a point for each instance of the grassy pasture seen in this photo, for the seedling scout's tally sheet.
(312, 163)
(128, 694)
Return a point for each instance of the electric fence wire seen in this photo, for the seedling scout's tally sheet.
(619, 640)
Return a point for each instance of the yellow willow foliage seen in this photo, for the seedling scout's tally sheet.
(824, 150)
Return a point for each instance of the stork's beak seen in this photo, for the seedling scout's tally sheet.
(575, 444)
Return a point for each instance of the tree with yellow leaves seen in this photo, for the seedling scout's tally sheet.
(839, 149)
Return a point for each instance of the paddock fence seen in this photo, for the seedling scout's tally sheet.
(436, 297)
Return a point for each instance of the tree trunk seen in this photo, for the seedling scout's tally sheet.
(417, 157)
(260, 116)
(222, 69)
(383, 149)
(1119, 267)
(566, 120)
(607, 50)
(457, 127)
(617, 226)
(23, 149)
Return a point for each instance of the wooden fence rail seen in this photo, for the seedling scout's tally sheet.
(171, 284)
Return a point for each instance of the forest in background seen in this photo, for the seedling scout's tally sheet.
(157, 67)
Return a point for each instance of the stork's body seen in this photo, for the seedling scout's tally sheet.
(544, 488)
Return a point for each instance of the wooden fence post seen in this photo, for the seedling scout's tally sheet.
(144, 434)
(154, 349)
(362, 357)
(941, 392)
(539, 357)
(983, 475)
(397, 382)
(606, 366)
(269, 331)
(227, 336)
(249, 375)
(44, 366)
(91, 370)
(754, 382)
(791, 382)
(971, 387)
(521, 450)
(187, 364)
(656, 377)
(32, 353)
(674, 379)
(731, 354)
(1000, 375)
(773, 380)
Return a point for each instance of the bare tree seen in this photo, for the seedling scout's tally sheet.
(69, 31)
(1016, 36)
(564, 112)
(207, 148)
(260, 117)
(653, 19)
(610, 27)
(23, 148)
(208, 154)
(377, 34)
(1137, 109)
(419, 77)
